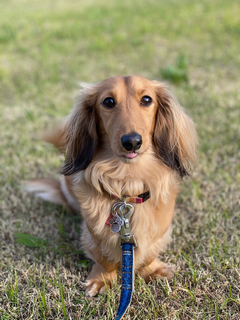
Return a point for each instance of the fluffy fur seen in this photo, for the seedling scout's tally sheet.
(97, 165)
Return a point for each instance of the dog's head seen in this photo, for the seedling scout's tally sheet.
(126, 116)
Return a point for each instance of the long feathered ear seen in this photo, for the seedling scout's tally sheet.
(80, 135)
(174, 137)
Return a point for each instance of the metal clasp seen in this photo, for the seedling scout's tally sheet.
(126, 211)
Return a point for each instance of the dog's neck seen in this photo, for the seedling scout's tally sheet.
(118, 178)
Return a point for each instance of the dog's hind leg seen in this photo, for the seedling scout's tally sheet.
(59, 192)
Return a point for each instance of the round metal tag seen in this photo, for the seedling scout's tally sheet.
(116, 223)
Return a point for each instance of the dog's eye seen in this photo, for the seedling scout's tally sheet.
(109, 103)
(146, 101)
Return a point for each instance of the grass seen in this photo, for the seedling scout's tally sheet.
(177, 73)
(46, 48)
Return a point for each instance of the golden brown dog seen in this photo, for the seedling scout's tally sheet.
(125, 136)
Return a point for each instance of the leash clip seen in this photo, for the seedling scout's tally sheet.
(126, 211)
(127, 239)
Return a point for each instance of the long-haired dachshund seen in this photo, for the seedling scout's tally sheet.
(125, 136)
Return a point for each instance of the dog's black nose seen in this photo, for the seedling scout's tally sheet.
(132, 141)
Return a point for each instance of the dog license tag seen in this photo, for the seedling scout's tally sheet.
(116, 222)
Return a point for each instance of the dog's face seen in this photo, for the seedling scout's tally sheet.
(126, 109)
(125, 116)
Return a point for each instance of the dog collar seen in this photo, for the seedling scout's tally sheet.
(139, 199)
(126, 199)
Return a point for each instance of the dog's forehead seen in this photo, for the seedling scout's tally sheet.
(130, 84)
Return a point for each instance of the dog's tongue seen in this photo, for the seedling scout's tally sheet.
(131, 155)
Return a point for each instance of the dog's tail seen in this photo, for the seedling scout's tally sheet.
(55, 135)
(58, 192)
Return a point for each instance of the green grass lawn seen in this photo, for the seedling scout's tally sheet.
(46, 49)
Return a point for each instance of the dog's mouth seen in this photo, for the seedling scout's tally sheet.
(130, 155)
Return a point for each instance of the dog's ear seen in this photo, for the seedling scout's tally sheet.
(174, 137)
(80, 134)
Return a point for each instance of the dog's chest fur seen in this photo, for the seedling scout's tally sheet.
(150, 221)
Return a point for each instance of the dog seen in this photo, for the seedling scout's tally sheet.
(125, 136)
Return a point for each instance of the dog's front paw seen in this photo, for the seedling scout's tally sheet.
(157, 269)
(94, 286)
(99, 281)
(166, 270)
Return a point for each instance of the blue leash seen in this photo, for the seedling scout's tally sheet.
(127, 279)
(119, 220)
(127, 243)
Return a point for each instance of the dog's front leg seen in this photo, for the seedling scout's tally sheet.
(104, 271)
(99, 279)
